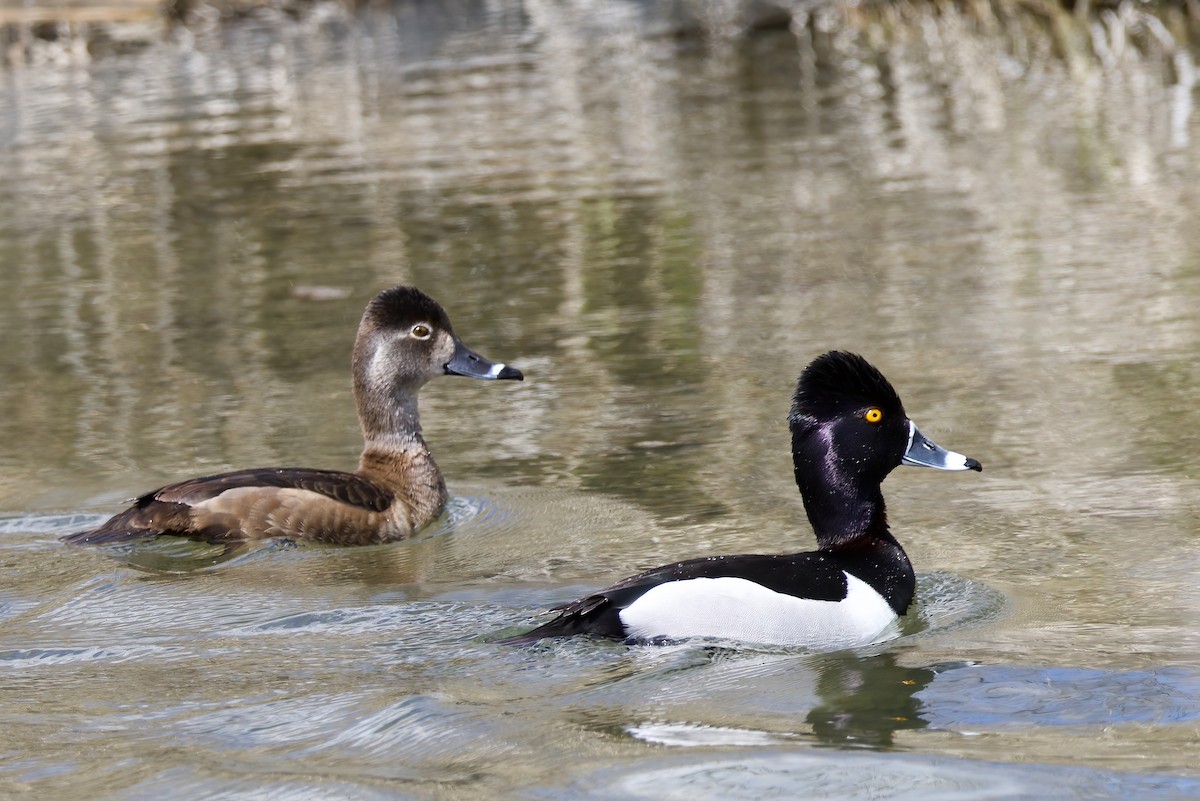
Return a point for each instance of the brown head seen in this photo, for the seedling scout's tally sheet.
(405, 339)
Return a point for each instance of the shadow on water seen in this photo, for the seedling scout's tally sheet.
(693, 696)
(850, 701)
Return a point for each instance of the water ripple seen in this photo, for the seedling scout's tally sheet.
(26, 658)
(1006, 696)
(947, 603)
(775, 773)
(690, 735)
(196, 785)
(54, 524)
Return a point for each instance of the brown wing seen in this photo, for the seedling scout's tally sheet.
(194, 508)
(348, 488)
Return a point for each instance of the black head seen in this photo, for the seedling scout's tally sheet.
(849, 430)
(837, 382)
(853, 413)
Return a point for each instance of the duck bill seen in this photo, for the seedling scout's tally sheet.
(924, 452)
(469, 363)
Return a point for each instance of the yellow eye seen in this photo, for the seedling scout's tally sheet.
(420, 331)
(873, 415)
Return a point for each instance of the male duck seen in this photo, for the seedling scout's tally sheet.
(849, 430)
(403, 341)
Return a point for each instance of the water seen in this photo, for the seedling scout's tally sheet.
(660, 223)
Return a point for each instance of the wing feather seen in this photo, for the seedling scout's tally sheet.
(348, 488)
(194, 508)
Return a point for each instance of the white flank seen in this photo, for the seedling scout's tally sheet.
(738, 609)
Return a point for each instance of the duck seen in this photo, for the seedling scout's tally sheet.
(849, 431)
(404, 340)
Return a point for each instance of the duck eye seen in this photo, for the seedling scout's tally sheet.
(420, 331)
(873, 415)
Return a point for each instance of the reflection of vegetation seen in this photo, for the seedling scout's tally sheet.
(642, 293)
(490, 259)
(662, 228)
(642, 315)
(626, 348)
(1162, 431)
(1073, 30)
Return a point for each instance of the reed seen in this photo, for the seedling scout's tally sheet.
(1081, 33)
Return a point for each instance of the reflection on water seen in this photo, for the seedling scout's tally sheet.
(694, 694)
(773, 773)
(865, 702)
(853, 702)
(1064, 697)
(661, 219)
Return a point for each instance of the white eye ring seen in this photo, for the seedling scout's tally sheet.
(421, 331)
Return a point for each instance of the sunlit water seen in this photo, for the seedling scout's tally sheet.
(660, 223)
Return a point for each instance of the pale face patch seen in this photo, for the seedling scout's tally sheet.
(738, 609)
(382, 366)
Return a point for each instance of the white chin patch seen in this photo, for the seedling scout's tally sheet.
(496, 370)
(738, 609)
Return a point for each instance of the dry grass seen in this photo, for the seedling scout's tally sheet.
(1079, 33)
(1084, 31)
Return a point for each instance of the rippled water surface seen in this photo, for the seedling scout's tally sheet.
(660, 218)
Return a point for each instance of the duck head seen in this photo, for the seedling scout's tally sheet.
(404, 340)
(849, 430)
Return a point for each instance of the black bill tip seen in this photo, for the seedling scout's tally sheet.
(513, 374)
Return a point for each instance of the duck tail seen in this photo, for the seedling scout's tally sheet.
(528, 638)
(593, 616)
(123, 527)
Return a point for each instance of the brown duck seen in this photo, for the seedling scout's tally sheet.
(404, 340)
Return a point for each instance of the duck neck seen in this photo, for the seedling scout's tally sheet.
(391, 423)
(847, 520)
(395, 455)
(846, 509)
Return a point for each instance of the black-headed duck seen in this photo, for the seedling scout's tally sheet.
(403, 341)
(849, 430)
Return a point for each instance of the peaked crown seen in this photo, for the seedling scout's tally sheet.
(837, 383)
(404, 306)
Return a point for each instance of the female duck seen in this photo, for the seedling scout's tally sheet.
(403, 341)
(849, 430)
